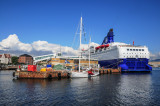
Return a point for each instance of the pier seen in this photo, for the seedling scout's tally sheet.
(58, 74)
(109, 71)
(41, 75)
(7, 67)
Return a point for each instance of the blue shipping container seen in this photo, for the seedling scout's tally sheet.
(49, 65)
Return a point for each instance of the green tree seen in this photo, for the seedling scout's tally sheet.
(15, 60)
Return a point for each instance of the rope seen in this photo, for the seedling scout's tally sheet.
(83, 34)
(75, 35)
(114, 63)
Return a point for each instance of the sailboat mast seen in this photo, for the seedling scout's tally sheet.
(89, 51)
(80, 43)
(80, 33)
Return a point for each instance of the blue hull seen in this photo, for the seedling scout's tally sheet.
(128, 64)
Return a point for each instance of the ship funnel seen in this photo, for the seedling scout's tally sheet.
(109, 37)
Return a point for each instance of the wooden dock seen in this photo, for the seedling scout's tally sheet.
(41, 75)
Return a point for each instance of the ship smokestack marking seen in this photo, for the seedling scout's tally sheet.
(109, 38)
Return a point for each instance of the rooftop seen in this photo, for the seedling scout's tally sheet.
(26, 55)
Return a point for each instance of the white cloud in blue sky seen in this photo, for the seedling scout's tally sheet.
(13, 45)
(155, 56)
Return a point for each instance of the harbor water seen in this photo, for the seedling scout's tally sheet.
(108, 89)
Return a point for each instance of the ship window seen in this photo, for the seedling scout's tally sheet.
(130, 49)
(133, 49)
(127, 49)
(142, 49)
(139, 49)
(136, 49)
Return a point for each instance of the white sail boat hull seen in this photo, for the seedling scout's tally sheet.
(79, 75)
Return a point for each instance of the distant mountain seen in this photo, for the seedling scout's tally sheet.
(156, 60)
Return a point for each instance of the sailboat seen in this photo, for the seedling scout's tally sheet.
(79, 74)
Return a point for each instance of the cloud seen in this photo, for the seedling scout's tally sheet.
(13, 45)
(86, 46)
(154, 56)
(45, 46)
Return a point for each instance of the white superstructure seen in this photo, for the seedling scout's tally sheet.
(117, 50)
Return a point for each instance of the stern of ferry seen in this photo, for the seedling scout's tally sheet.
(135, 65)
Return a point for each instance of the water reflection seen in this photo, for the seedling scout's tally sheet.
(135, 89)
(31, 83)
(97, 90)
(44, 91)
(109, 89)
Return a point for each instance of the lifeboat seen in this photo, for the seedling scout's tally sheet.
(107, 45)
(97, 48)
(102, 46)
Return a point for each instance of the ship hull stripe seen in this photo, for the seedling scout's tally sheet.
(127, 64)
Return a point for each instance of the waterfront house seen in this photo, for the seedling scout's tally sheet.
(5, 59)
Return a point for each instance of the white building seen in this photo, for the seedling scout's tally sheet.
(5, 58)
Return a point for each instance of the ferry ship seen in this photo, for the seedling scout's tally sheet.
(128, 57)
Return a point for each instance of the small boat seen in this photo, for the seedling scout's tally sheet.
(83, 74)
(92, 73)
(95, 74)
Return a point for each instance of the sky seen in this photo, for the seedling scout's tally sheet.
(42, 26)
